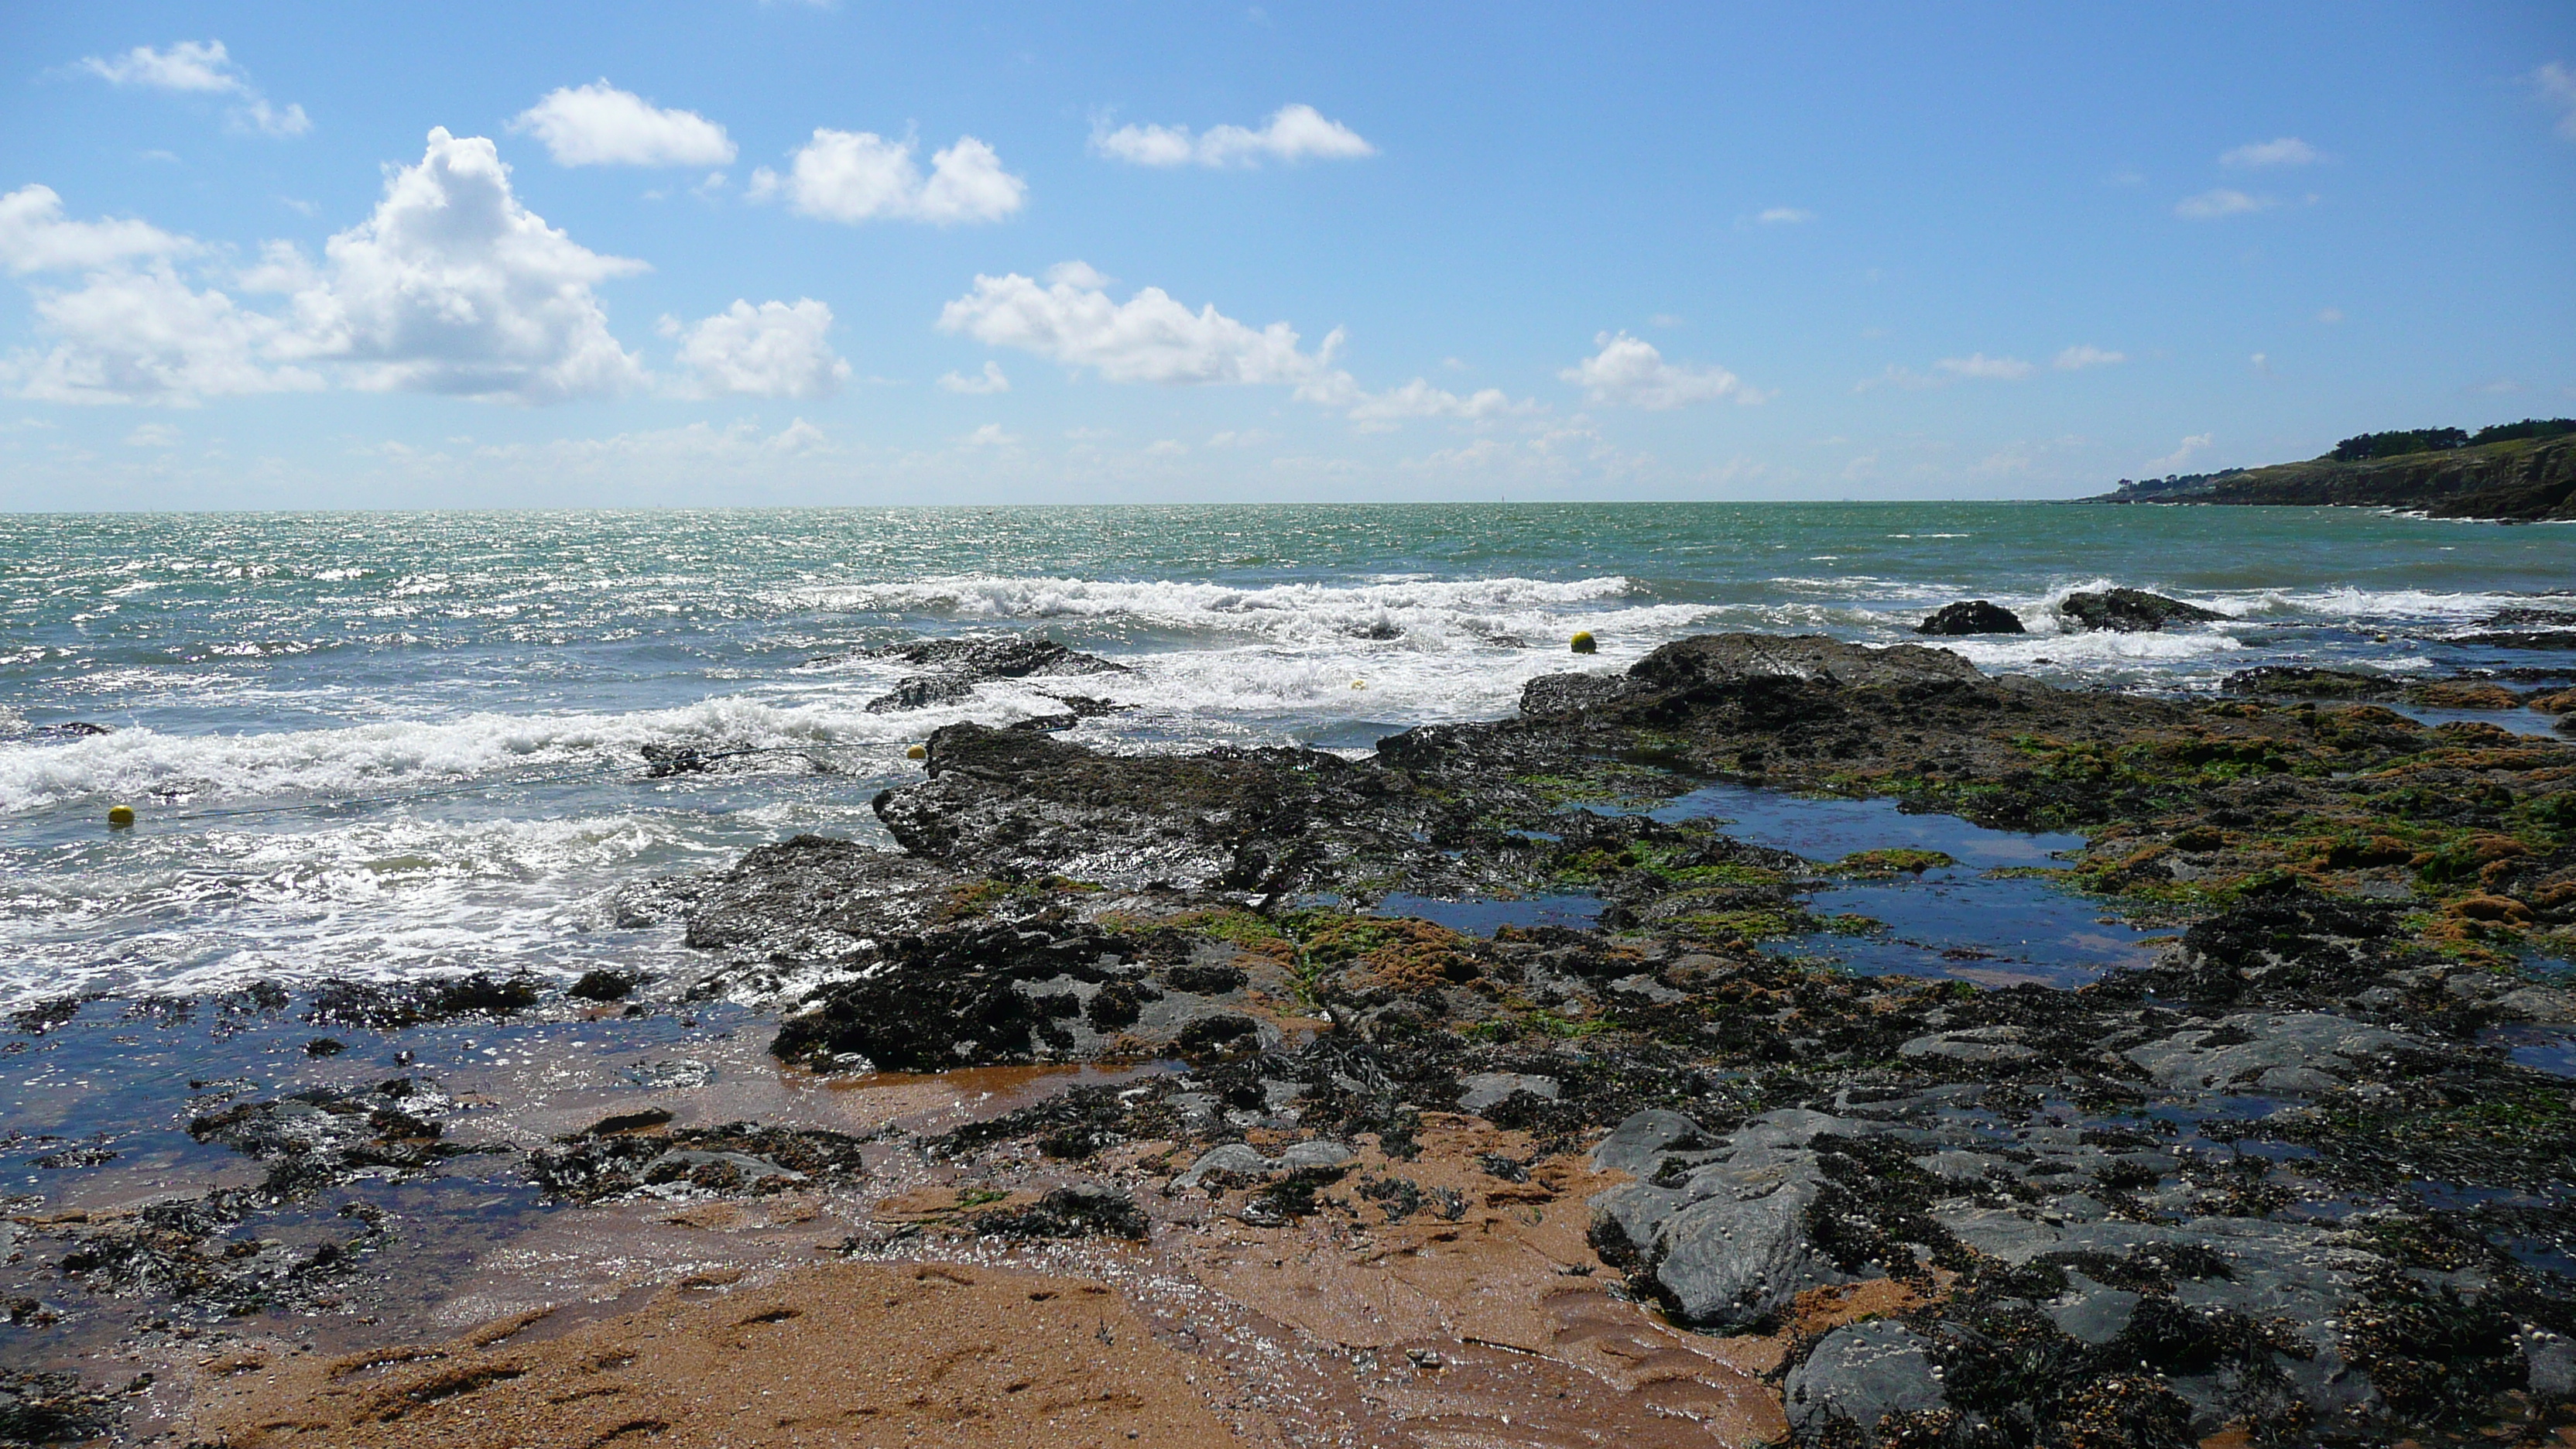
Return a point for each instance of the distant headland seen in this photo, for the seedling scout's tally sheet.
(2521, 472)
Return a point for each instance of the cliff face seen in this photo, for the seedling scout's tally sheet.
(2522, 480)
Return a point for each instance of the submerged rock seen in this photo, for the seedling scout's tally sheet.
(2132, 611)
(2299, 681)
(961, 664)
(1972, 616)
(389, 1005)
(735, 1159)
(1081, 1210)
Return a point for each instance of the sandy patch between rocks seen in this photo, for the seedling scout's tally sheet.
(851, 1353)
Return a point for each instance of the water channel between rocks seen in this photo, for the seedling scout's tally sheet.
(1979, 920)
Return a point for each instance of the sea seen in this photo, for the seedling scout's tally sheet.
(370, 746)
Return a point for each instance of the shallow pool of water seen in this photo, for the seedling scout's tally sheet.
(2519, 721)
(1997, 931)
(2550, 1049)
(1484, 915)
(1827, 828)
(1959, 922)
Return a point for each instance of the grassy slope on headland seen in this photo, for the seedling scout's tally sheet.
(2523, 479)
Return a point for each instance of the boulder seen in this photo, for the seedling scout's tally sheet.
(2300, 681)
(1707, 660)
(2260, 1052)
(2132, 611)
(1719, 1236)
(1857, 1376)
(1481, 1090)
(961, 664)
(1973, 616)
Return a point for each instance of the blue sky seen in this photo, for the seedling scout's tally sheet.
(294, 255)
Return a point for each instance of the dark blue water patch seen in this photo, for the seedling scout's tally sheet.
(2550, 1049)
(1831, 827)
(1963, 925)
(1484, 915)
(127, 1077)
(2556, 969)
(2528, 722)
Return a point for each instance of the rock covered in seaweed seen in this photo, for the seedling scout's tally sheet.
(1971, 616)
(2132, 611)
(956, 666)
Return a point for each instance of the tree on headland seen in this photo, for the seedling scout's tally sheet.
(2442, 440)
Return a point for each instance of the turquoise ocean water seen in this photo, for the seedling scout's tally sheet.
(389, 744)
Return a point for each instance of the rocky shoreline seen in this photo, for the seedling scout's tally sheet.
(1658, 1165)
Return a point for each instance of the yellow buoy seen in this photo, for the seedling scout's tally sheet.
(120, 817)
(1584, 643)
(917, 752)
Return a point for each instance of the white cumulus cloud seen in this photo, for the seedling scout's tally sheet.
(190, 65)
(2556, 84)
(2287, 151)
(1631, 371)
(453, 286)
(990, 380)
(2084, 355)
(856, 176)
(450, 286)
(600, 125)
(34, 237)
(1147, 338)
(200, 67)
(1293, 133)
(2225, 201)
(1419, 399)
(1977, 364)
(149, 337)
(773, 350)
(2196, 443)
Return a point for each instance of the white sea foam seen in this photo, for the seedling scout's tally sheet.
(380, 899)
(390, 758)
(1434, 612)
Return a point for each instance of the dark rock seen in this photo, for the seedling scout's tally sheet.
(734, 1159)
(409, 1003)
(929, 1017)
(52, 1408)
(2298, 681)
(1717, 660)
(1857, 1377)
(1974, 616)
(605, 985)
(963, 663)
(1720, 1236)
(318, 1136)
(815, 897)
(2521, 639)
(323, 1046)
(2526, 618)
(640, 1121)
(1481, 1090)
(1024, 806)
(1561, 694)
(662, 761)
(1217, 1035)
(1204, 980)
(1082, 1210)
(2132, 611)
